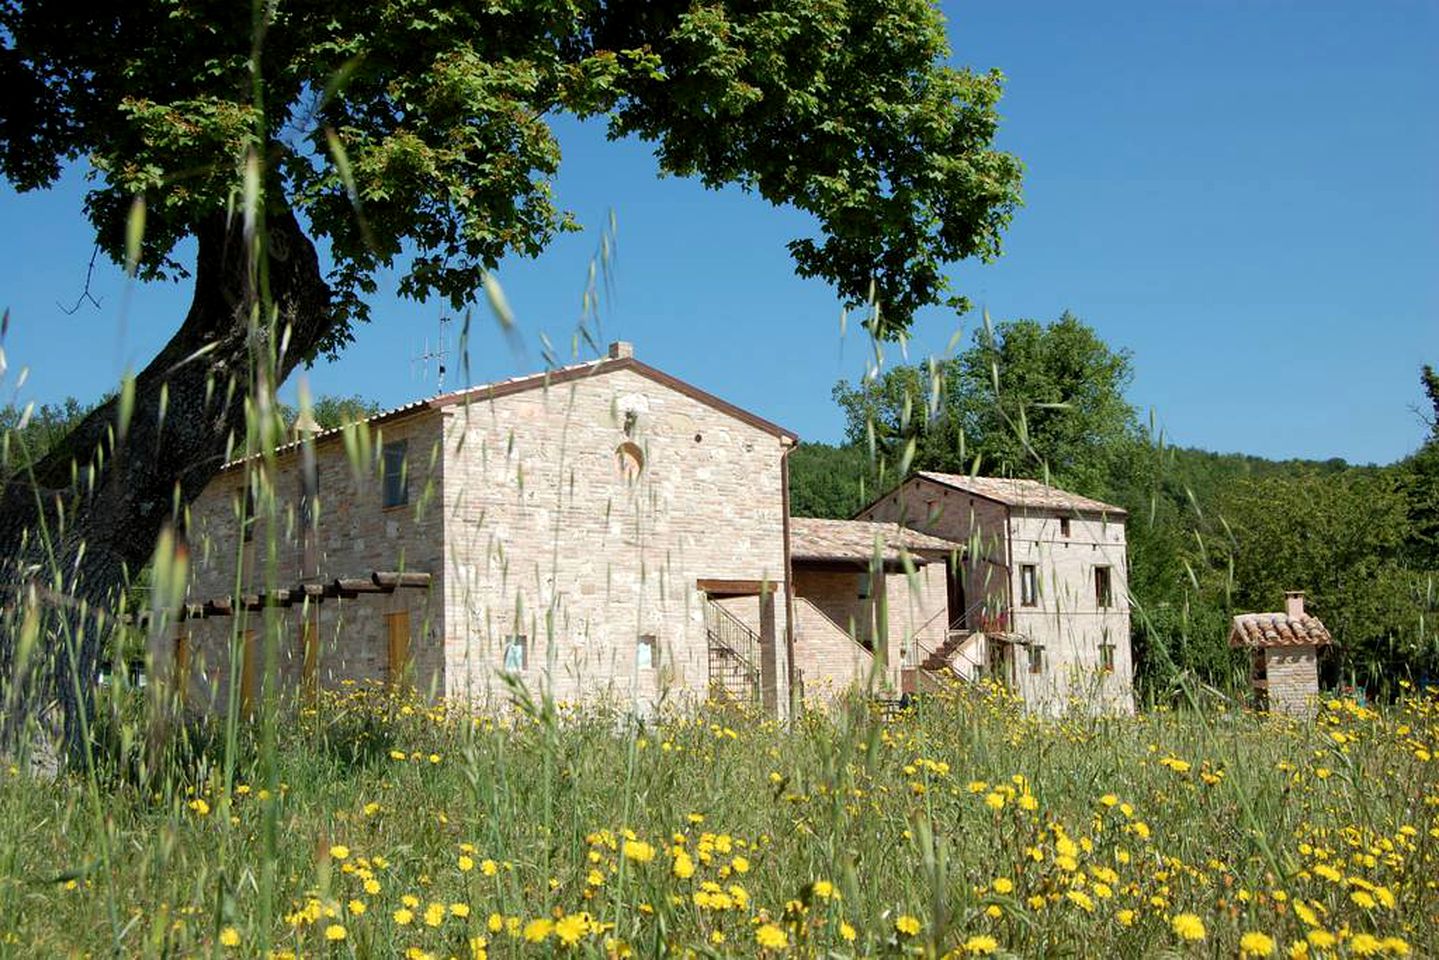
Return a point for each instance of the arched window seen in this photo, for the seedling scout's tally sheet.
(630, 459)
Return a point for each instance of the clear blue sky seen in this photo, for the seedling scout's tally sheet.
(1246, 195)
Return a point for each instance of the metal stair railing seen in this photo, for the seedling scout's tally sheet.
(733, 650)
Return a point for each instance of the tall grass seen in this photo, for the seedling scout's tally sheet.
(972, 819)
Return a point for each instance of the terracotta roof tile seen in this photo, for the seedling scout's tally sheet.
(812, 538)
(1278, 630)
(1016, 492)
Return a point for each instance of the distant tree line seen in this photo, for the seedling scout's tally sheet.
(1210, 534)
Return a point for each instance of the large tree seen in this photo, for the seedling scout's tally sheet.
(413, 139)
(1026, 399)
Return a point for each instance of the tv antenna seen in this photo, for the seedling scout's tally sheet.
(438, 354)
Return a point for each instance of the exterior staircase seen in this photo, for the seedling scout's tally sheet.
(940, 657)
(734, 674)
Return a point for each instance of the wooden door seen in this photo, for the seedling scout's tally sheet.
(249, 657)
(398, 628)
(954, 588)
(309, 657)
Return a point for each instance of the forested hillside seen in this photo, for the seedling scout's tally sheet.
(1210, 534)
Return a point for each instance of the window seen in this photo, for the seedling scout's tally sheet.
(1064, 526)
(645, 652)
(630, 460)
(1103, 591)
(1106, 657)
(1028, 585)
(866, 586)
(396, 477)
(516, 653)
(1036, 658)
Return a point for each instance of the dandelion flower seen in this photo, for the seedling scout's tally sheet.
(435, 914)
(1187, 926)
(847, 931)
(1256, 944)
(571, 929)
(980, 945)
(907, 925)
(230, 937)
(489, 868)
(339, 851)
(404, 916)
(537, 931)
(465, 863)
(771, 937)
(334, 932)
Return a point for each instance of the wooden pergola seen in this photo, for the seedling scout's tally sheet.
(341, 588)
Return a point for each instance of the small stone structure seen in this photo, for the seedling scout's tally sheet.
(1283, 662)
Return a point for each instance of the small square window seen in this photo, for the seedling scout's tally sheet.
(396, 475)
(866, 586)
(517, 653)
(1103, 589)
(1064, 526)
(1106, 657)
(1036, 658)
(645, 652)
(1028, 585)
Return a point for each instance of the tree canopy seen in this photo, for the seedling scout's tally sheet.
(417, 136)
(1025, 399)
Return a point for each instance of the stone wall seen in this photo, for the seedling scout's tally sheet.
(1293, 676)
(581, 517)
(355, 534)
(979, 525)
(830, 662)
(1068, 619)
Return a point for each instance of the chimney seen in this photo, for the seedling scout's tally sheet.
(1294, 604)
(621, 349)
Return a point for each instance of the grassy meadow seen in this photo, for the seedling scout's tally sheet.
(377, 825)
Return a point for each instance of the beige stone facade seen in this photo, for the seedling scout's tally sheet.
(1041, 600)
(573, 525)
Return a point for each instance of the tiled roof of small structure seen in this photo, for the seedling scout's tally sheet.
(811, 538)
(1278, 630)
(1016, 492)
(546, 378)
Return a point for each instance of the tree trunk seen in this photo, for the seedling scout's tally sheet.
(106, 491)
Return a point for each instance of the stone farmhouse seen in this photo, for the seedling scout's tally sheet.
(1037, 595)
(605, 530)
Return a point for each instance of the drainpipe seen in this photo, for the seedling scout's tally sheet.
(788, 444)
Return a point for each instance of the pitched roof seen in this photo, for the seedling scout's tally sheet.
(546, 378)
(1017, 492)
(1278, 630)
(811, 538)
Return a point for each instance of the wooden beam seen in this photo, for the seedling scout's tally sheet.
(356, 585)
(390, 579)
(735, 588)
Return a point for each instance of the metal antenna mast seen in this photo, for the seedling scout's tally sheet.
(440, 354)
